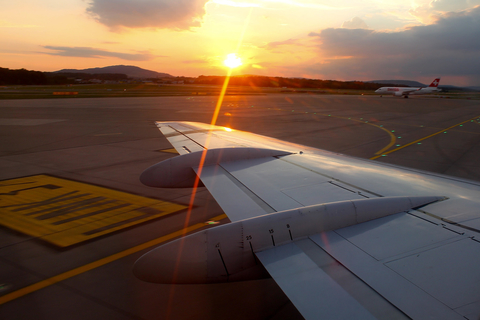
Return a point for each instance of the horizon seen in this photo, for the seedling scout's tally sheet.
(255, 75)
(418, 41)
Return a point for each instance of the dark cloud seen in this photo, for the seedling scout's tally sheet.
(87, 52)
(162, 14)
(449, 46)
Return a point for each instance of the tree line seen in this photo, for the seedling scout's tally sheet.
(30, 77)
(280, 82)
(21, 77)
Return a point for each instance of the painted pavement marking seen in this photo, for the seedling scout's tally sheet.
(65, 212)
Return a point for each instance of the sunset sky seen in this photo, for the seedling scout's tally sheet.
(341, 40)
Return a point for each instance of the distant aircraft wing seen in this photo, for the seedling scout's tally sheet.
(404, 256)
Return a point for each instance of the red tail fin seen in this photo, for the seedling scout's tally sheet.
(435, 83)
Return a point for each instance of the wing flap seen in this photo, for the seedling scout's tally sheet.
(311, 290)
(180, 142)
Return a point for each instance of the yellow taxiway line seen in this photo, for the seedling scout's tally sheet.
(424, 138)
(69, 274)
(392, 136)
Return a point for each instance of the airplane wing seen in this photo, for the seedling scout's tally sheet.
(410, 91)
(345, 238)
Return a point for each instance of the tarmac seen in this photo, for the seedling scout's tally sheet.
(74, 216)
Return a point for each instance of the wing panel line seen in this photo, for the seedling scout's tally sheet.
(327, 176)
(264, 205)
(181, 133)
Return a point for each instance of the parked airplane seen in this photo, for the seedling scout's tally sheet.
(406, 91)
(345, 238)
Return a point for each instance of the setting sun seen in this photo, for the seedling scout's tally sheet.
(232, 61)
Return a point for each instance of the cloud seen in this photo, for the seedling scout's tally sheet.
(449, 5)
(87, 52)
(276, 44)
(449, 46)
(197, 61)
(236, 3)
(428, 13)
(449, 32)
(355, 23)
(161, 14)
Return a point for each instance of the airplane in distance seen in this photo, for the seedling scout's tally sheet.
(343, 237)
(406, 91)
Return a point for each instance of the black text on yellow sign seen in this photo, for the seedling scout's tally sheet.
(65, 212)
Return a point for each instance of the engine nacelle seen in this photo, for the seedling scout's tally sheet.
(227, 253)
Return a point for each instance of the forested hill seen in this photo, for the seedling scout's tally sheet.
(130, 71)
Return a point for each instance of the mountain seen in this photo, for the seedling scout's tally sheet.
(130, 71)
(400, 82)
(477, 88)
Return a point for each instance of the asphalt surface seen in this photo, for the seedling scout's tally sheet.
(104, 144)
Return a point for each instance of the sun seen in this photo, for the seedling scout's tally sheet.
(232, 61)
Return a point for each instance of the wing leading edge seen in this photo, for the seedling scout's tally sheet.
(418, 261)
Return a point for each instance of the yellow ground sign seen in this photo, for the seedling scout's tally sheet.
(65, 212)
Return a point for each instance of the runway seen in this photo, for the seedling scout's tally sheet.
(74, 216)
